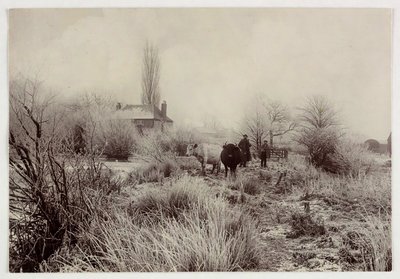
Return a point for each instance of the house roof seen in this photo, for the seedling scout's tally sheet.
(141, 112)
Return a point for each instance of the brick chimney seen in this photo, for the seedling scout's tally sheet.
(164, 109)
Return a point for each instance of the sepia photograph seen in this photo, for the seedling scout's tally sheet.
(230, 139)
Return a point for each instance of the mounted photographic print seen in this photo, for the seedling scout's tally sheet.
(199, 139)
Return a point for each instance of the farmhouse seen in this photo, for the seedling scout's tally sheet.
(145, 117)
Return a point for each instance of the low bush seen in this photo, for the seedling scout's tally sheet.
(301, 258)
(320, 143)
(304, 225)
(337, 155)
(350, 158)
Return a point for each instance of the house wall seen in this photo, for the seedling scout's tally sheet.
(160, 126)
(145, 123)
(157, 125)
(151, 124)
(168, 125)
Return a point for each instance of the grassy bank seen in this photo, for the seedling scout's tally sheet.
(177, 228)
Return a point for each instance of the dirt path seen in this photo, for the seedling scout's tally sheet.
(282, 210)
(274, 209)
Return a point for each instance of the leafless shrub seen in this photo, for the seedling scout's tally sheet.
(321, 143)
(49, 197)
(155, 146)
(38, 184)
(119, 138)
(350, 158)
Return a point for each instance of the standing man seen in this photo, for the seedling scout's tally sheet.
(264, 152)
(244, 146)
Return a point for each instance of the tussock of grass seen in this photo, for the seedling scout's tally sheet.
(265, 175)
(370, 189)
(374, 191)
(252, 187)
(249, 185)
(369, 246)
(188, 163)
(154, 172)
(157, 204)
(183, 228)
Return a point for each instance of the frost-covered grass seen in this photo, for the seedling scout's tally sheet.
(182, 228)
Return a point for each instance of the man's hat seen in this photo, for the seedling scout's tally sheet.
(245, 135)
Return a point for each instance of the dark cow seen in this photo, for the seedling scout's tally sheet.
(231, 157)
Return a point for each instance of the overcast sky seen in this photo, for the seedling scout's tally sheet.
(213, 60)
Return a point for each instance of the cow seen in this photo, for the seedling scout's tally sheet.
(231, 156)
(206, 154)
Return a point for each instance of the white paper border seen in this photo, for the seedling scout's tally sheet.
(4, 5)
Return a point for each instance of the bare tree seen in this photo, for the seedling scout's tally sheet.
(150, 76)
(280, 122)
(319, 130)
(255, 122)
(318, 112)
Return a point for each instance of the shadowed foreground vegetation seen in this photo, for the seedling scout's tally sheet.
(180, 228)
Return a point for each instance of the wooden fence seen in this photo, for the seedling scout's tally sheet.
(278, 153)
